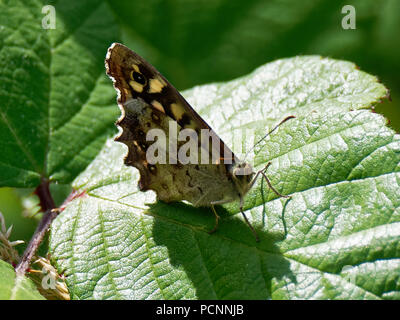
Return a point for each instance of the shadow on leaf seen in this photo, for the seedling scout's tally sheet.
(228, 264)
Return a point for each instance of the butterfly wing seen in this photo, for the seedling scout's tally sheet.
(148, 101)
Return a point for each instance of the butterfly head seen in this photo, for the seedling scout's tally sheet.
(242, 175)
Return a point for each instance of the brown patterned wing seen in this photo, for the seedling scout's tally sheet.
(148, 101)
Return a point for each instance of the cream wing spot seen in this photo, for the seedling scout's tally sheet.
(136, 86)
(156, 85)
(177, 110)
(158, 106)
(135, 67)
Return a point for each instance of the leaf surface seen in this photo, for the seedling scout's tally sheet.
(336, 238)
(53, 82)
(16, 288)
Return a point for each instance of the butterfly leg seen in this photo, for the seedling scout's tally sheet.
(247, 221)
(258, 173)
(262, 171)
(217, 217)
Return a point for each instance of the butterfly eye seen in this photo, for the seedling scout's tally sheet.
(138, 77)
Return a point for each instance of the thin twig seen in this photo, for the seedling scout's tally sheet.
(50, 213)
(36, 240)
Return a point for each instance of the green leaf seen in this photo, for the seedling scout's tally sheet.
(53, 83)
(14, 287)
(336, 238)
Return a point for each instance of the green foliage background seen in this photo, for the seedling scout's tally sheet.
(191, 42)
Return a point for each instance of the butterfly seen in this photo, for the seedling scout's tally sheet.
(149, 102)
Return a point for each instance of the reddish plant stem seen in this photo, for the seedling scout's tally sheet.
(50, 213)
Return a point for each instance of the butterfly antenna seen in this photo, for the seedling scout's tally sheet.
(276, 127)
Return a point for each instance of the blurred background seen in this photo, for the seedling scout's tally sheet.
(195, 42)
